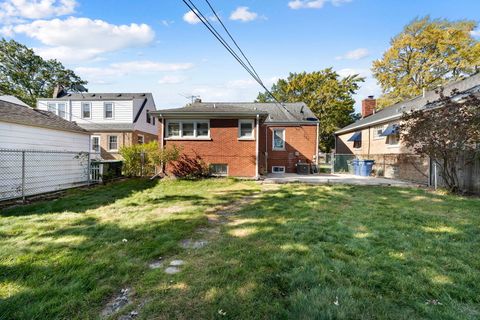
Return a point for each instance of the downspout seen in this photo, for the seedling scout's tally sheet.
(316, 145)
(266, 149)
(257, 131)
(369, 133)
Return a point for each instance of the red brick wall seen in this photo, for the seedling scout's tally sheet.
(300, 146)
(223, 148)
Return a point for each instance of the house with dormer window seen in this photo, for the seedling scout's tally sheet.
(113, 119)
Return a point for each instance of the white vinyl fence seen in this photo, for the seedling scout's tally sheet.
(28, 172)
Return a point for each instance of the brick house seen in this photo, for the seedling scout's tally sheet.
(242, 139)
(375, 137)
(114, 119)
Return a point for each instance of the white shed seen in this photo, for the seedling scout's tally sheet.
(39, 151)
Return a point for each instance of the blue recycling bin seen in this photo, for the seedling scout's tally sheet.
(356, 167)
(365, 167)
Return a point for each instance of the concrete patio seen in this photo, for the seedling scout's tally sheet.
(335, 179)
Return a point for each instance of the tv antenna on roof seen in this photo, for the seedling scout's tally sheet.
(191, 97)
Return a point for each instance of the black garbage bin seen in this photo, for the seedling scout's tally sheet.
(303, 168)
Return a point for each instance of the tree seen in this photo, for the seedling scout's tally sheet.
(28, 76)
(426, 54)
(446, 132)
(328, 95)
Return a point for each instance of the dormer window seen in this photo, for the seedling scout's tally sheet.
(149, 117)
(108, 110)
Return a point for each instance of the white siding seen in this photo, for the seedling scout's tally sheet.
(123, 111)
(142, 124)
(44, 171)
(15, 136)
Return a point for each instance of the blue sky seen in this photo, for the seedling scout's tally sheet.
(156, 46)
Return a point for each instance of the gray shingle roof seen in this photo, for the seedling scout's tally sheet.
(469, 85)
(14, 113)
(15, 100)
(289, 113)
(101, 127)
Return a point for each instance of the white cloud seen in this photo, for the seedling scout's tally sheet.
(171, 79)
(167, 23)
(352, 71)
(314, 4)
(191, 18)
(356, 54)
(15, 10)
(475, 33)
(76, 39)
(243, 14)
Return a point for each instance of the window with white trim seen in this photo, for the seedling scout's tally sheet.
(86, 110)
(393, 139)
(219, 169)
(108, 110)
(278, 169)
(278, 141)
(96, 143)
(52, 107)
(188, 129)
(61, 110)
(112, 143)
(245, 129)
(140, 139)
(377, 132)
(58, 108)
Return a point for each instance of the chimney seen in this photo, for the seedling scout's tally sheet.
(58, 91)
(368, 106)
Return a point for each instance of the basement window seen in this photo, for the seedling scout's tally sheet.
(278, 169)
(219, 169)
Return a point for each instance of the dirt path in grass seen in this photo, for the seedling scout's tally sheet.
(217, 216)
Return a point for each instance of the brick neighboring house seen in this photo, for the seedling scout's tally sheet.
(114, 119)
(375, 137)
(242, 139)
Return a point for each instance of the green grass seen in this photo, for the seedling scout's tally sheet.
(296, 252)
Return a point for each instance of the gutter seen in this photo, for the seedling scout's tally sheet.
(366, 125)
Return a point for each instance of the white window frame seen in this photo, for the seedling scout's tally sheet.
(105, 110)
(56, 110)
(99, 143)
(180, 132)
(89, 109)
(283, 138)
(252, 122)
(51, 105)
(377, 131)
(108, 142)
(221, 174)
(278, 167)
(141, 136)
(392, 145)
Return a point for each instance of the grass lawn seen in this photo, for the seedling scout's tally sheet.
(292, 251)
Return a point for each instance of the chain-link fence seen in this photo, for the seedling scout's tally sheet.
(27, 172)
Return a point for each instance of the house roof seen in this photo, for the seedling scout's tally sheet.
(19, 114)
(394, 112)
(102, 96)
(14, 99)
(272, 112)
(107, 127)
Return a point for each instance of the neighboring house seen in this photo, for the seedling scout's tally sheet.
(45, 145)
(114, 119)
(243, 139)
(375, 135)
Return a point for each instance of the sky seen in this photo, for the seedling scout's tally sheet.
(158, 46)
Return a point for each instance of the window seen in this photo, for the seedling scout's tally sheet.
(96, 143)
(52, 107)
(377, 132)
(61, 110)
(140, 139)
(112, 143)
(188, 129)
(86, 110)
(153, 120)
(278, 169)
(173, 129)
(219, 169)
(393, 139)
(245, 129)
(202, 129)
(278, 139)
(149, 117)
(357, 144)
(108, 110)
